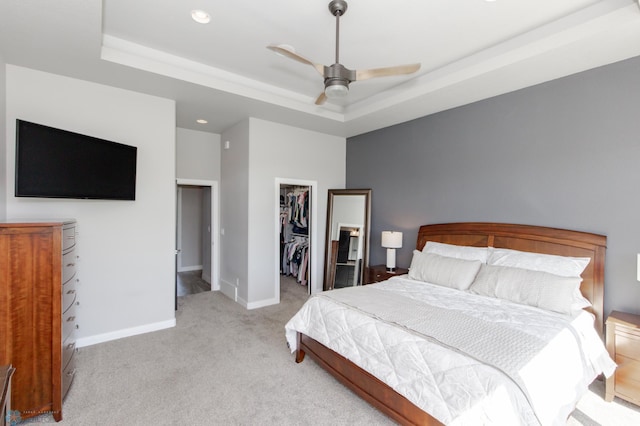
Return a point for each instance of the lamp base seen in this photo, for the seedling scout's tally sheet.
(391, 260)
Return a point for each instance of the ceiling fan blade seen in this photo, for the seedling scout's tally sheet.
(386, 72)
(321, 99)
(284, 51)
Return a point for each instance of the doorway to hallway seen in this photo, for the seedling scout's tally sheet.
(197, 231)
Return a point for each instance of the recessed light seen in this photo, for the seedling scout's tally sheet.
(201, 121)
(200, 16)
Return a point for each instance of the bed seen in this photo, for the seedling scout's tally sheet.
(448, 395)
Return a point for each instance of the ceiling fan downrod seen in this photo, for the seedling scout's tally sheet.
(337, 9)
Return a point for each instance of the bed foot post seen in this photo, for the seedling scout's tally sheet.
(299, 351)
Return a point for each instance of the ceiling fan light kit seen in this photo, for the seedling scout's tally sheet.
(337, 77)
(336, 89)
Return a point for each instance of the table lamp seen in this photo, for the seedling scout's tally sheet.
(391, 240)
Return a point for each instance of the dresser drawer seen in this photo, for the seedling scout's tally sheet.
(628, 377)
(68, 374)
(68, 349)
(68, 266)
(68, 322)
(627, 345)
(68, 237)
(68, 295)
(378, 273)
(375, 276)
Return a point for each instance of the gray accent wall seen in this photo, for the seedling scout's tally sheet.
(3, 135)
(563, 154)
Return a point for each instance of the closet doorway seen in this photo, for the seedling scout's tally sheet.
(196, 236)
(296, 217)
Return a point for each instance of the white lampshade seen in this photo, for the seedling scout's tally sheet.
(391, 239)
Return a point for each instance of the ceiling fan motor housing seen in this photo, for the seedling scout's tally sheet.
(338, 74)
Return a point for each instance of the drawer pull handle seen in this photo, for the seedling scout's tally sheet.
(71, 373)
(71, 319)
(78, 303)
(70, 264)
(71, 291)
(77, 326)
(71, 345)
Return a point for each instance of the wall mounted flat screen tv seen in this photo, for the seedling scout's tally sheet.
(55, 163)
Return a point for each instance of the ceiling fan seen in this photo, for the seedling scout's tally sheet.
(337, 77)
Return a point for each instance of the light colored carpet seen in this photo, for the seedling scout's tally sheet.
(224, 365)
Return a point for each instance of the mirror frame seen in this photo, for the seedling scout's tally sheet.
(332, 194)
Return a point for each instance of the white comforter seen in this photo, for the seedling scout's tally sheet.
(455, 385)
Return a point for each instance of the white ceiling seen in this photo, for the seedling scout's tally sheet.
(222, 71)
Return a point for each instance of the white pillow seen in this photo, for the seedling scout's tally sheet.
(578, 301)
(444, 271)
(559, 265)
(458, 252)
(524, 286)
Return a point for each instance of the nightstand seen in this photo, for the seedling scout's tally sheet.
(623, 344)
(377, 273)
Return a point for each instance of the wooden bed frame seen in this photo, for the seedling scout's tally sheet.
(518, 237)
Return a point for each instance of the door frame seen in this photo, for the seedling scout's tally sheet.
(313, 230)
(215, 226)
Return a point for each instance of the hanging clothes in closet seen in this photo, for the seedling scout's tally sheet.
(298, 207)
(294, 231)
(296, 259)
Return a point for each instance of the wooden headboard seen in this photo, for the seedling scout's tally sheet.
(535, 239)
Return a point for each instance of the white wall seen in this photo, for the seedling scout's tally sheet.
(198, 159)
(197, 155)
(190, 244)
(261, 152)
(234, 206)
(3, 141)
(126, 266)
(279, 151)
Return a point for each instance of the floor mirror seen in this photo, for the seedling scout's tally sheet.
(347, 242)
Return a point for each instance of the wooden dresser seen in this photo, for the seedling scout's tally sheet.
(37, 312)
(6, 371)
(623, 344)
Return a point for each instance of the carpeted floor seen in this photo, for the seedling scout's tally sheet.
(224, 365)
(221, 364)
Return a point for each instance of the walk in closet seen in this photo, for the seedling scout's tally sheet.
(295, 222)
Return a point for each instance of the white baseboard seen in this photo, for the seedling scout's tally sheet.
(229, 290)
(127, 332)
(189, 268)
(262, 303)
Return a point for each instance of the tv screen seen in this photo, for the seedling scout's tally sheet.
(55, 163)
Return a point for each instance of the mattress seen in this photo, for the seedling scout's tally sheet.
(463, 358)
